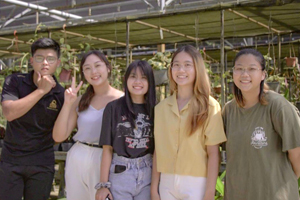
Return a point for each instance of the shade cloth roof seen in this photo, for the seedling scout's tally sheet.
(103, 24)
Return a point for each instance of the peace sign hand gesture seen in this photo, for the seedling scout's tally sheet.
(71, 92)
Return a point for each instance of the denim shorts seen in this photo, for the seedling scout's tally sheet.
(132, 179)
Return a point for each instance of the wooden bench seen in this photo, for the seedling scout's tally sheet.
(60, 159)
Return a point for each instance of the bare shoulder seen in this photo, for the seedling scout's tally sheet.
(115, 93)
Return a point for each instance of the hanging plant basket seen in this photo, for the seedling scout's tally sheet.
(160, 76)
(275, 86)
(217, 89)
(65, 75)
(291, 61)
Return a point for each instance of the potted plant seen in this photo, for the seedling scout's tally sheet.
(216, 83)
(68, 60)
(160, 63)
(220, 187)
(68, 143)
(117, 73)
(291, 61)
(274, 82)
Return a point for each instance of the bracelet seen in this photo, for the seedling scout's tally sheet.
(102, 185)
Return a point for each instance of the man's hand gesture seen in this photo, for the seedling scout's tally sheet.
(45, 83)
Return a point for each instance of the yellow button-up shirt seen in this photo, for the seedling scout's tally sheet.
(176, 151)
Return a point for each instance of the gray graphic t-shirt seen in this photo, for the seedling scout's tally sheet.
(117, 131)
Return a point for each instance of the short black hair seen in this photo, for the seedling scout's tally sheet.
(45, 43)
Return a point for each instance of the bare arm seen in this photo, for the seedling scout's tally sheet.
(294, 156)
(155, 180)
(67, 118)
(212, 171)
(65, 122)
(15, 109)
(104, 172)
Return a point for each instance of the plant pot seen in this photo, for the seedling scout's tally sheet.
(160, 76)
(57, 147)
(217, 90)
(291, 61)
(65, 75)
(66, 146)
(275, 86)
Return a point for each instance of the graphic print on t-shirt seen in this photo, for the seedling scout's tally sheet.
(258, 138)
(139, 136)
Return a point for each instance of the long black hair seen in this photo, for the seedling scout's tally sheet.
(150, 96)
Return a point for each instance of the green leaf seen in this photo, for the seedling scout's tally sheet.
(81, 46)
(220, 186)
(62, 40)
(223, 175)
(88, 47)
(68, 47)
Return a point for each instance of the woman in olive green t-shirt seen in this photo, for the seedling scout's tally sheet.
(262, 128)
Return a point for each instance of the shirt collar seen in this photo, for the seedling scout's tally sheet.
(173, 103)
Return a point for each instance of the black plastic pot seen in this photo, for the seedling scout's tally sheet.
(275, 86)
(66, 146)
(160, 76)
(57, 147)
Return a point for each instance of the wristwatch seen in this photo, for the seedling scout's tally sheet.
(102, 185)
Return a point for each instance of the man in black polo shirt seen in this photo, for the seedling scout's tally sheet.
(31, 102)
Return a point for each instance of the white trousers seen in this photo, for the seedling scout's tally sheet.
(178, 187)
(82, 171)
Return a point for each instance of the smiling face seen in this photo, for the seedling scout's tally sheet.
(95, 70)
(183, 70)
(45, 61)
(137, 84)
(250, 76)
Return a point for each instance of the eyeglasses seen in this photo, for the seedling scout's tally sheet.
(89, 69)
(40, 59)
(185, 67)
(241, 70)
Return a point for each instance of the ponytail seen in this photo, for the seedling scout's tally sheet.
(86, 99)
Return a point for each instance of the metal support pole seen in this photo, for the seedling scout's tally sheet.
(37, 17)
(279, 54)
(127, 43)
(225, 67)
(130, 57)
(222, 51)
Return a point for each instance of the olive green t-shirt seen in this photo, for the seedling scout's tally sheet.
(258, 139)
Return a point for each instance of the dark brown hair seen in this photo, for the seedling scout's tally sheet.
(89, 93)
(263, 87)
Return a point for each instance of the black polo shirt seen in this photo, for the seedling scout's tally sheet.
(28, 139)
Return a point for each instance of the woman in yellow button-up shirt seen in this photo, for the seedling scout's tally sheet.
(188, 129)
